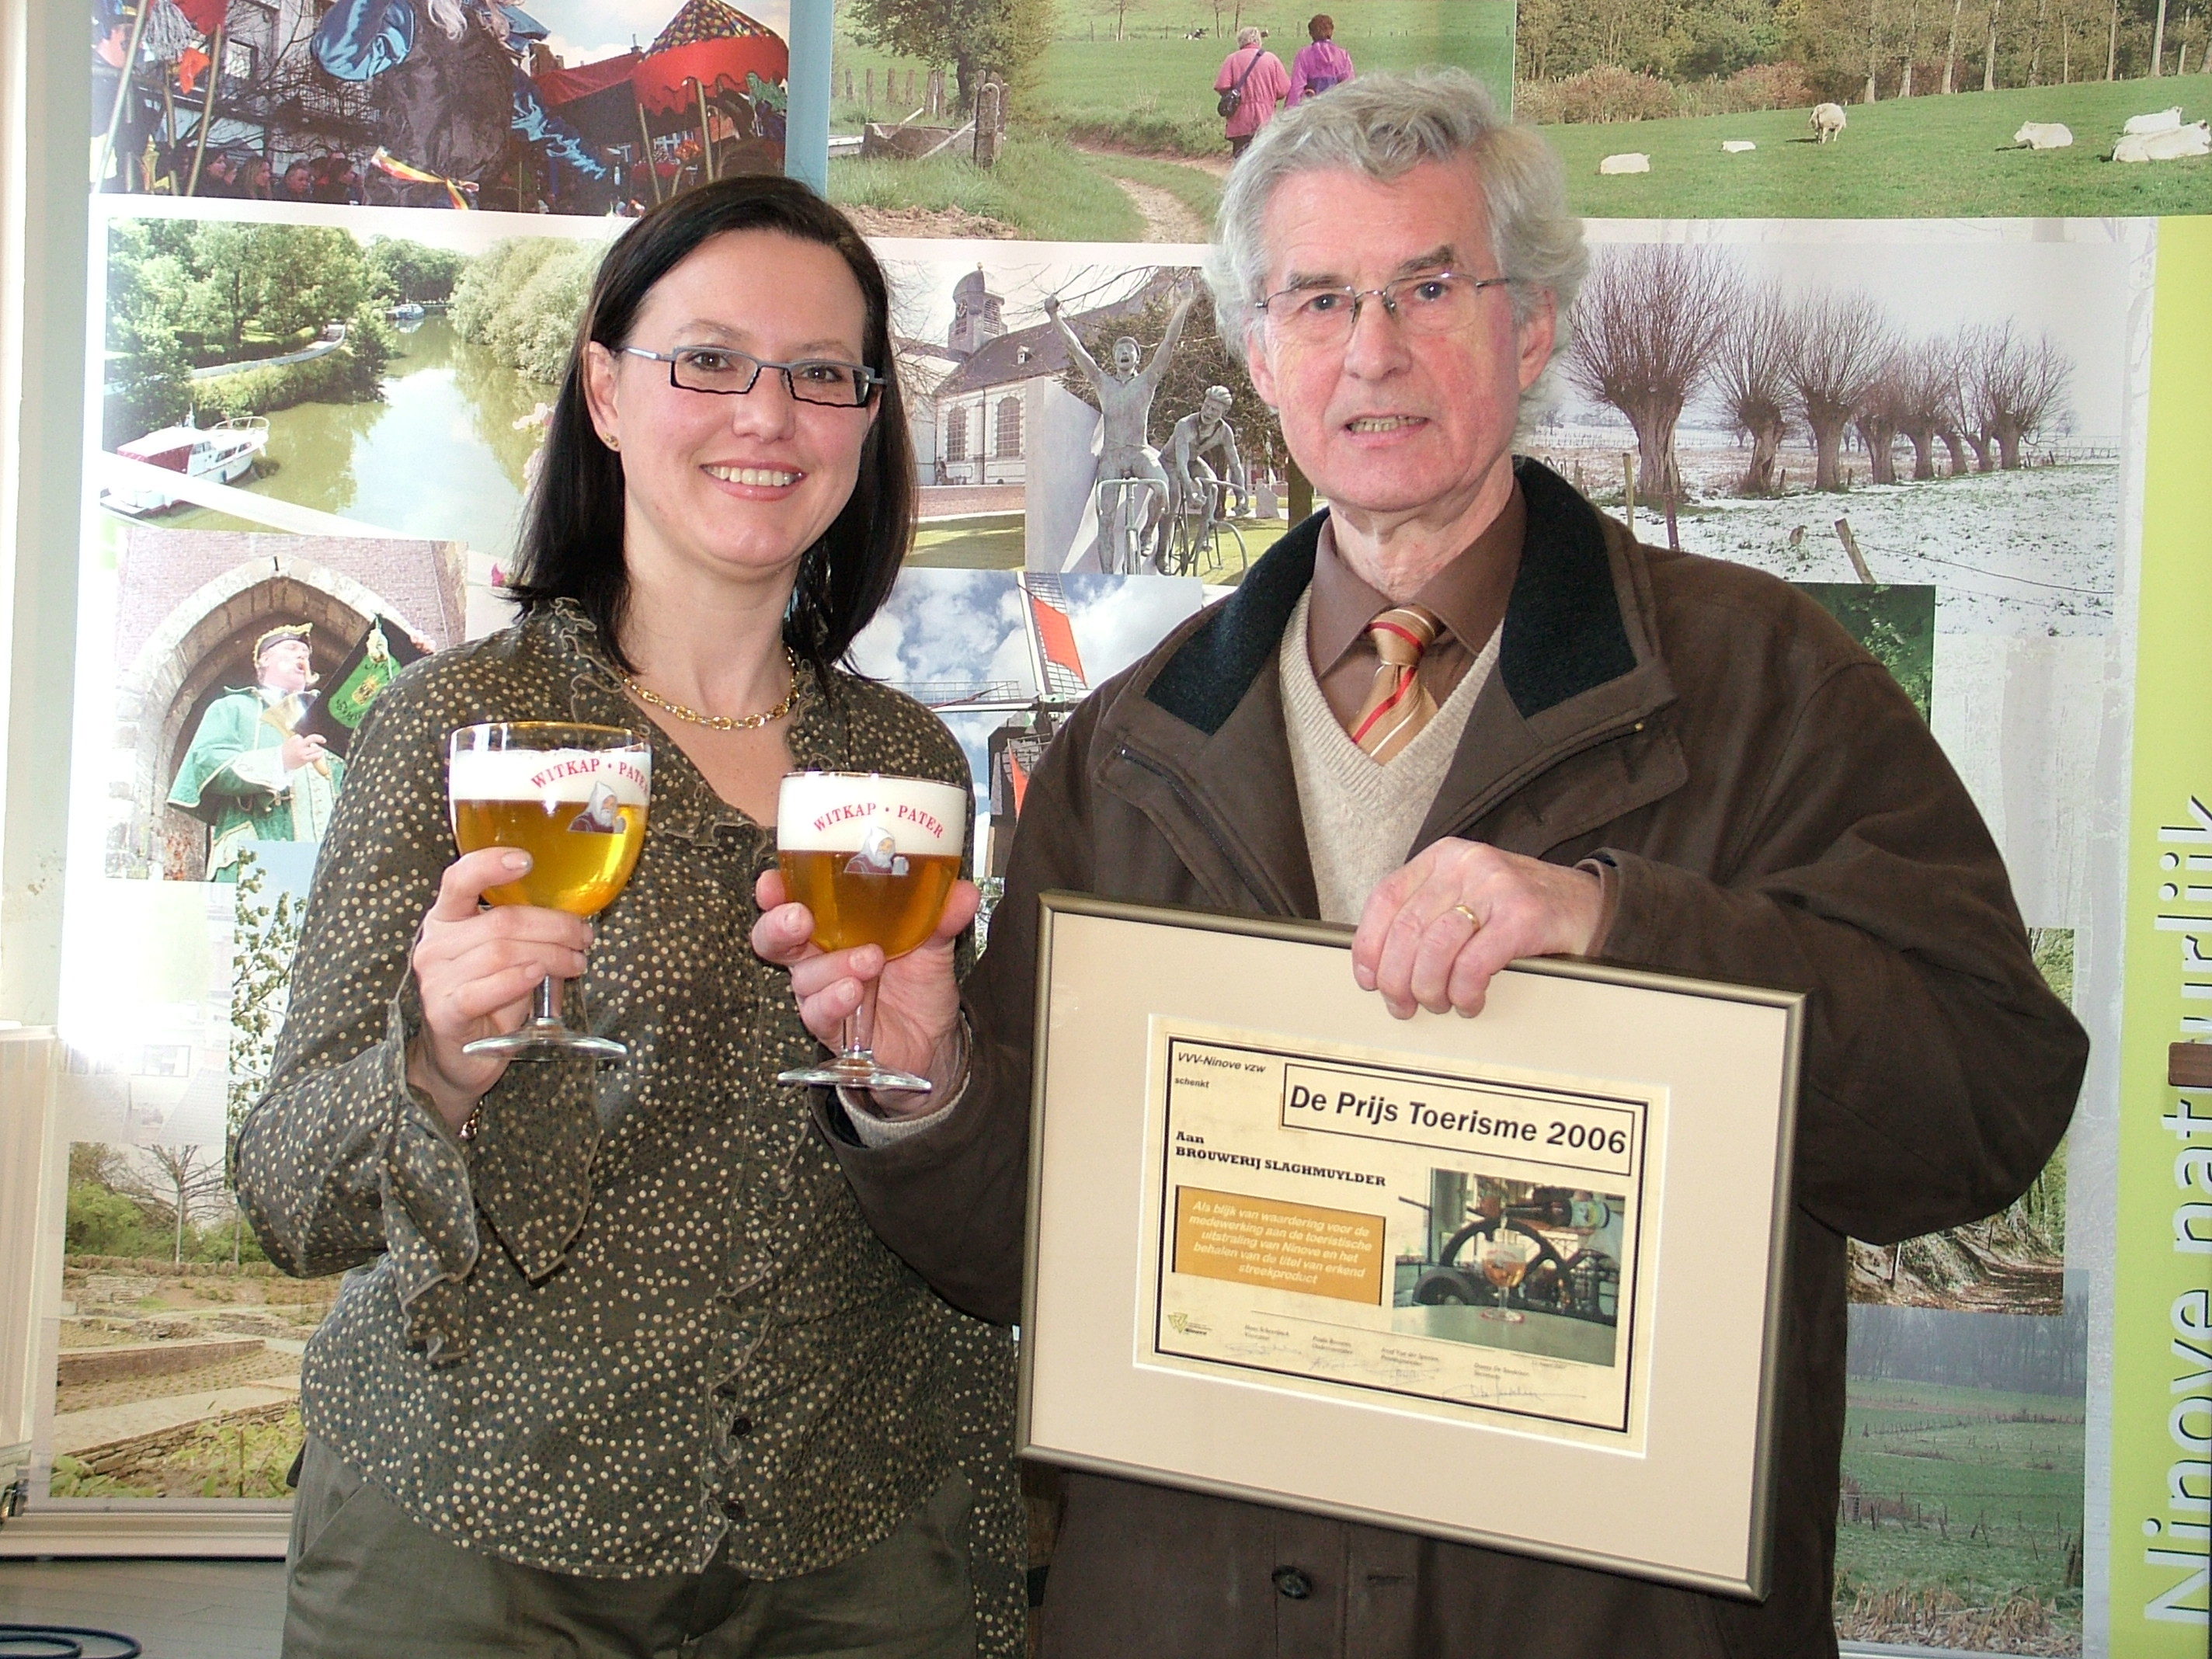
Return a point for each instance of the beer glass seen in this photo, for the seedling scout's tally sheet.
(1505, 1257)
(574, 797)
(872, 858)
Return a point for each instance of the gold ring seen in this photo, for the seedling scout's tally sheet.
(1473, 920)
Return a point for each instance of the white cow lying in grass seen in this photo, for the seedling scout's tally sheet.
(2043, 135)
(1635, 162)
(1827, 121)
(2164, 121)
(2173, 145)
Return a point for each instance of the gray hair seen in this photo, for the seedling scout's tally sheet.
(1384, 126)
(1248, 37)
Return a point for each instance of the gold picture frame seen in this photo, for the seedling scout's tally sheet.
(1258, 1206)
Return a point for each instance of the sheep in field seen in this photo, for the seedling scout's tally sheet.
(1827, 121)
(2043, 135)
(2194, 139)
(2164, 121)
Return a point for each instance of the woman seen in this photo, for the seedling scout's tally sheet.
(620, 1367)
(1320, 64)
(1251, 84)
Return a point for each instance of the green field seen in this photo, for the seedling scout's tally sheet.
(1150, 91)
(1154, 90)
(1964, 1489)
(983, 541)
(1043, 187)
(1157, 93)
(993, 541)
(1930, 157)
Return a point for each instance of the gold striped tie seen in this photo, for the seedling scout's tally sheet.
(1398, 705)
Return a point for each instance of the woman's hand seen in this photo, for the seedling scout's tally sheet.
(917, 998)
(477, 968)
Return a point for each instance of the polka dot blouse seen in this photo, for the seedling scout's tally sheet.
(639, 1313)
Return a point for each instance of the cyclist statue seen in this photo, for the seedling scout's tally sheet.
(1202, 451)
(1125, 409)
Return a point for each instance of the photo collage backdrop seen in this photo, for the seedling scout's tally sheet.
(1910, 324)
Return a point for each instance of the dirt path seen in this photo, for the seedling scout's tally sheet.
(1166, 220)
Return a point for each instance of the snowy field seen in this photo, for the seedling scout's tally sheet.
(2034, 551)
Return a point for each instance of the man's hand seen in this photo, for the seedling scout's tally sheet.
(917, 999)
(298, 751)
(1435, 932)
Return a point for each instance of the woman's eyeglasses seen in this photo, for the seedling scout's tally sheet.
(730, 374)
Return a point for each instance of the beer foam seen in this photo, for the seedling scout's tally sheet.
(550, 774)
(837, 813)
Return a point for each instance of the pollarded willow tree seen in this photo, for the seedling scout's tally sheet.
(1751, 372)
(2023, 387)
(1844, 342)
(1649, 330)
(1881, 417)
(1921, 382)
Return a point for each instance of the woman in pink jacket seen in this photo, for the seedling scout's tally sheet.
(1252, 84)
(1321, 65)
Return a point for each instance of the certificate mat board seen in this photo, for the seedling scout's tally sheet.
(1218, 1287)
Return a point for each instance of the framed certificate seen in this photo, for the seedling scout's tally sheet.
(1509, 1280)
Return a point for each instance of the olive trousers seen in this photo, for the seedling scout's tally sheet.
(368, 1582)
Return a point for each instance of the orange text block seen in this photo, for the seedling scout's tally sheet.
(1284, 1246)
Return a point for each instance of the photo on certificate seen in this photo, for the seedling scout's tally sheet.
(1453, 1241)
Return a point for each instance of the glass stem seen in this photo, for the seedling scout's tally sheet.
(855, 1034)
(548, 1010)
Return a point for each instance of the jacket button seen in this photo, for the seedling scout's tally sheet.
(732, 1508)
(740, 1427)
(1292, 1583)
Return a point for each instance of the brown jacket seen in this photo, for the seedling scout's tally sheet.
(1774, 811)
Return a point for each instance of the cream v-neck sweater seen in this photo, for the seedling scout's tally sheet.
(1360, 816)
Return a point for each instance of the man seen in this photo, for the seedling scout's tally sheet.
(1125, 415)
(1601, 749)
(1204, 442)
(246, 776)
(1252, 84)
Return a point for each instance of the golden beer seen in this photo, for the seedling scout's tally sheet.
(574, 797)
(1505, 1271)
(579, 872)
(872, 858)
(865, 906)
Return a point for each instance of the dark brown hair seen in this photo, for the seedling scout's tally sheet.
(572, 532)
(1321, 26)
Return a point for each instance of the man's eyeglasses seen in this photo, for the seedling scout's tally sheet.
(730, 374)
(1438, 303)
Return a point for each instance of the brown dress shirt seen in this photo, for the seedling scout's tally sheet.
(1468, 596)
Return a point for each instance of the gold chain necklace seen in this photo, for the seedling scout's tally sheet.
(722, 722)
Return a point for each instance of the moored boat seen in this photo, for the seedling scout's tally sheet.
(222, 452)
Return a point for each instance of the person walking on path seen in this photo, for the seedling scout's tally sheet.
(1252, 84)
(1321, 65)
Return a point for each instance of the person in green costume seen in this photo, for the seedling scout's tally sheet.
(246, 776)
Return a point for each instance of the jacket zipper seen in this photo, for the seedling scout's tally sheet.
(1259, 889)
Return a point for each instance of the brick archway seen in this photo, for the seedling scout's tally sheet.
(204, 647)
